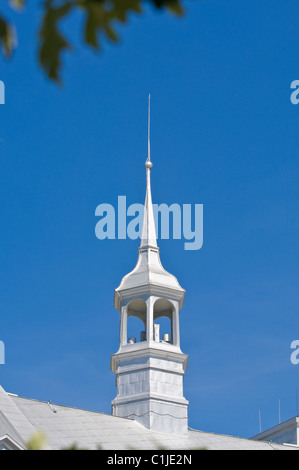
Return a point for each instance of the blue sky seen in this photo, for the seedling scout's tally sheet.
(224, 134)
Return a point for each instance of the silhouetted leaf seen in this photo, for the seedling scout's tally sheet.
(121, 9)
(7, 37)
(94, 19)
(173, 5)
(101, 15)
(97, 21)
(52, 43)
(176, 8)
(100, 18)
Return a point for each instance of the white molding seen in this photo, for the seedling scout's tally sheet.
(7, 439)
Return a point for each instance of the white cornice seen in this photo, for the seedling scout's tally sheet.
(132, 353)
(149, 289)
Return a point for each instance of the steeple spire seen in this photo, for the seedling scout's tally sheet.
(148, 270)
(148, 238)
(149, 129)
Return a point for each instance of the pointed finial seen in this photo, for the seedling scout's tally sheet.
(149, 129)
(148, 162)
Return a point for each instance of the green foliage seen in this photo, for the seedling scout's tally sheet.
(7, 31)
(7, 37)
(100, 20)
(52, 43)
(37, 441)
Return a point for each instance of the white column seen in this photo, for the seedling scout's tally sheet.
(150, 319)
(176, 326)
(123, 326)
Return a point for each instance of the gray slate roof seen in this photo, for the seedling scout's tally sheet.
(64, 426)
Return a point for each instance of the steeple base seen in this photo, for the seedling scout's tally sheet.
(150, 389)
(155, 414)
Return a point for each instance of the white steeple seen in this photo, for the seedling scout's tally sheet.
(149, 372)
(149, 269)
(148, 238)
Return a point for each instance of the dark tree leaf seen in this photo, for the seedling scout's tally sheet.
(7, 37)
(173, 5)
(121, 9)
(52, 42)
(101, 18)
(96, 21)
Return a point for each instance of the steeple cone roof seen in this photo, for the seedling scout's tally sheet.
(149, 272)
(148, 237)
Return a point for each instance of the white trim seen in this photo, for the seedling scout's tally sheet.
(6, 438)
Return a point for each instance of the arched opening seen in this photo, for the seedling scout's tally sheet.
(136, 322)
(163, 321)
